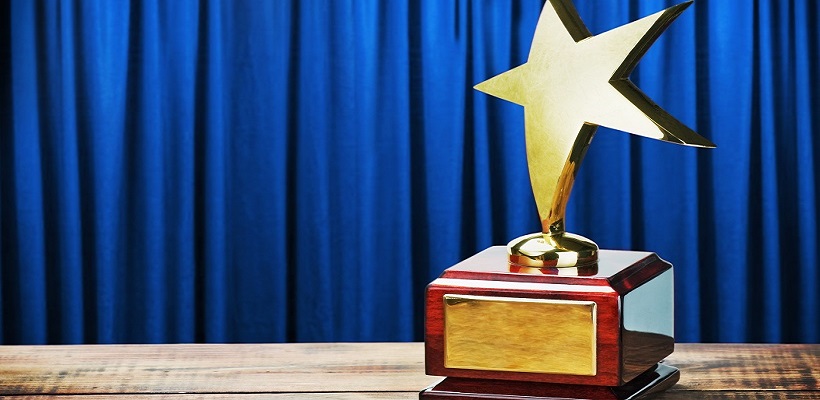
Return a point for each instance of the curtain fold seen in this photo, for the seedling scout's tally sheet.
(208, 171)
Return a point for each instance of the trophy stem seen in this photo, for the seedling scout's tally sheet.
(554, 249)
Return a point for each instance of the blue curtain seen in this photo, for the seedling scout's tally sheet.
(187, 171)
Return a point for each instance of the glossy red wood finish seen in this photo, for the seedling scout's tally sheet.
(621, 270)
(655, 380)
(608, 321)
(618, 272)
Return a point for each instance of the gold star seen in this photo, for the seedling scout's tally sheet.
(572, 83)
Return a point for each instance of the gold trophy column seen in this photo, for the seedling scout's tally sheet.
(571, 83)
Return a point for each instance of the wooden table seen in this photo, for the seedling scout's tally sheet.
(351, 371)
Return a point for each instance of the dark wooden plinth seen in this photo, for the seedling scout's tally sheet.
(655, 380)
(621, 354)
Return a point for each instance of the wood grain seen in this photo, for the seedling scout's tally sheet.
(747, 366)
(351, 371)
(618, 358)
(615, 268)
(607, 342)
(213, 368)
(227, 396)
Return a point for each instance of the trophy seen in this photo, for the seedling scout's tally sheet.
(552, 316)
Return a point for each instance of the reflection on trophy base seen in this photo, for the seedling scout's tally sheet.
(561, 250)
(601, 326)
(656, 379)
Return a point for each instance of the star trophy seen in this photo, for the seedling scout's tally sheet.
(553, 316)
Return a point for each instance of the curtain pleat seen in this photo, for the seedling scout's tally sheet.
(207, 171)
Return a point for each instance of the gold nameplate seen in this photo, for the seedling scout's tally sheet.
(519, 334)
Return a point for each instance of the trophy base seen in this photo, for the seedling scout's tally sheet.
(560, 250)
(656, 379)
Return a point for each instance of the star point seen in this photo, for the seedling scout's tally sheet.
(573, 82)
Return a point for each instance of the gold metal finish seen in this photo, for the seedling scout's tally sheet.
(554, 250)
(572, 83)
(520, 334)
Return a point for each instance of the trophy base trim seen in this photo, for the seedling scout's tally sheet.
(656, 379)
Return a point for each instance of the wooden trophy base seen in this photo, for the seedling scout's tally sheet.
(656, 379)
(499, 331)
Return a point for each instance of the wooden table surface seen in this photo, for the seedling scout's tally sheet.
(351, 371)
